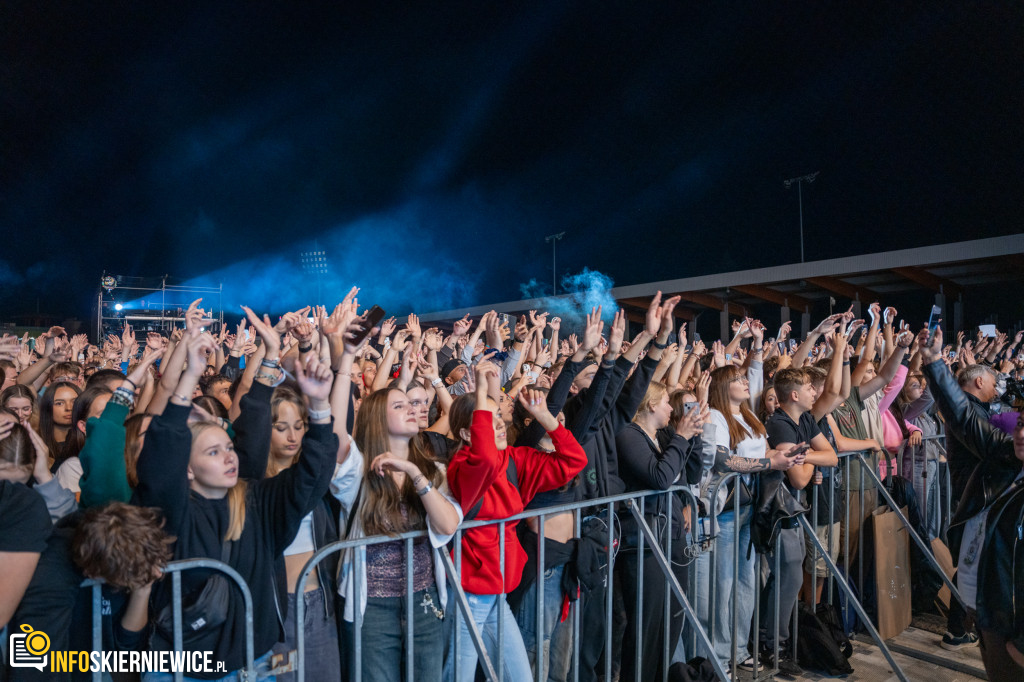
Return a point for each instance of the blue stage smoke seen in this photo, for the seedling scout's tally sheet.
(397, 265)
(577, 295)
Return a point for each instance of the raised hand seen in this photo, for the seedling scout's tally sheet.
(413, 326)
(536, 403)
(890, 315)
(290, 321)
(592, 330)
(933, 351)
(194, 317)
(652, 320)
(556, 324)
(267, 332)
(314, 378)
(703, 386)
(718, 352)
(756, 331)
(432, 340)
(461, 327)
(199, 349)
(303, 332)
(784, 331)
(693, 423)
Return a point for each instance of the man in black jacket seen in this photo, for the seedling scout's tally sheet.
(986, 462)
(978, 386)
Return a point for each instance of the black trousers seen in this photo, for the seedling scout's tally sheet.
(651, 616)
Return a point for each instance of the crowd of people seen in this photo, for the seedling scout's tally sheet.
(261, 444)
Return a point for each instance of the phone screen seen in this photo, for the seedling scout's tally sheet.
(933, 322)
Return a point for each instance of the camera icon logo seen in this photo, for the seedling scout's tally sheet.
(29, 648)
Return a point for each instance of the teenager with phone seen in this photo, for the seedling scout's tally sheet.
(793, 424)
(734, 440)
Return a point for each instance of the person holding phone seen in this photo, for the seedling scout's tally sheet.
(734, 440)
(793, 424)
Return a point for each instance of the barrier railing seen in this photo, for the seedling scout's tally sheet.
(696, 639)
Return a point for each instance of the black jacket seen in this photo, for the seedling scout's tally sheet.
(643, 467)
(984, 463)
(274, 509)
(612, 407)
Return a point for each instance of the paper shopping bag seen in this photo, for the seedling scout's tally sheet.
(945, 560)
(892, 572)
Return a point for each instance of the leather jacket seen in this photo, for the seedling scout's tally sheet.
(985, 457)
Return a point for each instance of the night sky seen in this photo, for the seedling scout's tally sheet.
(430, 147)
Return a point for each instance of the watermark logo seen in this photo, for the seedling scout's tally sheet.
(29, 648)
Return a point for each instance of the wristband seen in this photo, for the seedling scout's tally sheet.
(436, 382)
(846, 363)
(181, 397)
(305, 349)
(317, 415)
(759, 349)
(660, 345)
(273, 364)
(425, 489)
(263, 375)
(134, 385)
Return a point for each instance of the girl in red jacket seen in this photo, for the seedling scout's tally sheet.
(493, 481)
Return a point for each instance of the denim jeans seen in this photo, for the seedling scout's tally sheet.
(323, 657)
(383, 638)
(262, 665)
(560, 656)
(729, 533)
(486, 610)
(526, 616)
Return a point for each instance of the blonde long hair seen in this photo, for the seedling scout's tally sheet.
(236, 494)
(381, 507)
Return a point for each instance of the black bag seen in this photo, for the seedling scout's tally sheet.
(817, 648)
(829, 616)
(202, 611)
(776, 509)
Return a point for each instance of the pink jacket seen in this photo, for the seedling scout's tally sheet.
(891, 431)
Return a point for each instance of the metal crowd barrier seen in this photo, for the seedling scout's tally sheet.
(452, 568)
(696, 639)
(175, 568)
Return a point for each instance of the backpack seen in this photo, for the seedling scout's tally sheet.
(816, 647)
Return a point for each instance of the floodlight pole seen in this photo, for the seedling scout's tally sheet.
(553, 238)
(800, 198)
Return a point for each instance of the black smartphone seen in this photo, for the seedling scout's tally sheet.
(933, 322)
(371, 318)
(800, 450)
(696, 337)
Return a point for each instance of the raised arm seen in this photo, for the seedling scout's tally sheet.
(163, 463)
(104, 477)
(473, 469)
(294, 492)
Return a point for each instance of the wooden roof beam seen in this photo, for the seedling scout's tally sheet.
(834, 285)
(774, 296)
(930, 280)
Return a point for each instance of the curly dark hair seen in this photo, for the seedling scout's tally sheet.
(121, 544)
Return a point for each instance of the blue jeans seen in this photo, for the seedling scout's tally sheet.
(384, 639)
(323, 657)
(745, 584)
(526, 616)
(262, 665)
(486, 610)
